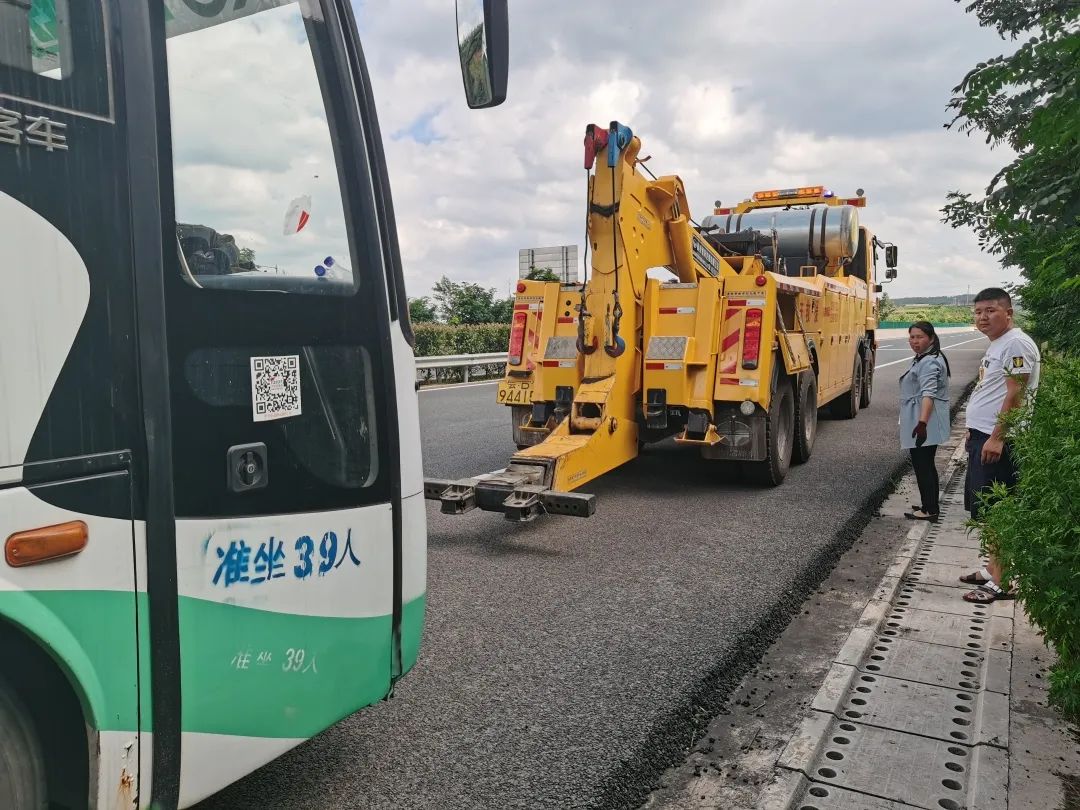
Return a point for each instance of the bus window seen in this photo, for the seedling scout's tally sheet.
(36, 37)
(53, 53)
(257, 192)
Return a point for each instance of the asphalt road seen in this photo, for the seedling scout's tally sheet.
(566, 662)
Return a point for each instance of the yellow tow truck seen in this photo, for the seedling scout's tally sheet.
(728, 335)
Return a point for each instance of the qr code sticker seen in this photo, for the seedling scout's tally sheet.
(275, 387)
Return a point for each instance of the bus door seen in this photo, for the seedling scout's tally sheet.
(281, 386)
(68, 398)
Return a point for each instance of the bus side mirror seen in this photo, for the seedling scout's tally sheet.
(878, 288)
(890, 258)
(484, 49)
(890, 272)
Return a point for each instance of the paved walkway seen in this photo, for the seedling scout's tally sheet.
(932, 702)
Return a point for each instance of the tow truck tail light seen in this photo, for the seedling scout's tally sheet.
(517, 338)
(751, 339)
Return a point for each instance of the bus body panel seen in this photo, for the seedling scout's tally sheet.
(44, 293)
(82, 609)
(286, 596)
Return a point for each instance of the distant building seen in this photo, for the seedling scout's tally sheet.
(562, 260)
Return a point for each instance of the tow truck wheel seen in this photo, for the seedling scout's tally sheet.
(520, 415)
(847, 406)
(867, 379)
(805, 417)
(779, 438)
(22, 766)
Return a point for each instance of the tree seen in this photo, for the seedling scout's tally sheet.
(422, 310)
(462, 302)
(1027, 102)
(886, 307)
(541, 274)
(502, 310)
(1030, 216)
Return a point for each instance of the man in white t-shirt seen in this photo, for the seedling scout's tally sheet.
(1008, 377)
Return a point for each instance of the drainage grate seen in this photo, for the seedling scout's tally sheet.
(949, 715)
(830, 797)
(930, 573)
(951, 667)
(967, 556)
(901, 767)
(949, 629)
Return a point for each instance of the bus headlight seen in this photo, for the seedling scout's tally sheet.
(746, 408)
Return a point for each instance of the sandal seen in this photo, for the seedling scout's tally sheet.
(919, 514)
(986, 593)
(979, 577)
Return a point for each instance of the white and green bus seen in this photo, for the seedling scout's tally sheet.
(210, 482)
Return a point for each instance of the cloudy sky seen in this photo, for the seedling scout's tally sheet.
(732, 95)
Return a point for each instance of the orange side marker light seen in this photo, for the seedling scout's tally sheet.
(48, 543)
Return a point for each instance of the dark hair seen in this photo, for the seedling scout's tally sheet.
(993, 294)
(927, 329)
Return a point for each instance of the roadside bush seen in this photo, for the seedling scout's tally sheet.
(1035, 528)
(437, 339)
(934, 314)
(434, 339)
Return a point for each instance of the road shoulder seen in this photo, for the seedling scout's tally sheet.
(890, 691)
(730, 765)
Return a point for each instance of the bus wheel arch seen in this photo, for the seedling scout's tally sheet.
(57, 712)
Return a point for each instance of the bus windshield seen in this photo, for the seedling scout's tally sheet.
(257, 190)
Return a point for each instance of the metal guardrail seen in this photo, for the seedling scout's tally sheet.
(465, 361)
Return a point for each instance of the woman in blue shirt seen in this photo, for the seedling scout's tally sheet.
(924, 413)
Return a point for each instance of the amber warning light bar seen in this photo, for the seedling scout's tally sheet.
(785, 193)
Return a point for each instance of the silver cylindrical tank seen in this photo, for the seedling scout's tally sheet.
(822, 232)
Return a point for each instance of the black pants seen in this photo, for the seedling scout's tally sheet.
(922, 461)
(981, 477)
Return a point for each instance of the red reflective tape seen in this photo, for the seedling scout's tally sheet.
(668, 310)
(551, 364)
(729, 341)
(736, 302)
(728, 381)
(729, 367)
(520, 307)
(654, 366)
(567, 320)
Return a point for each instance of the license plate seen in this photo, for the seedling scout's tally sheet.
(515, 393)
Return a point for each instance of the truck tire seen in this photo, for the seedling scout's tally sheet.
(519, 414)
(867, 378)
(847, 406)
(779, 437)
(22, 765)
(806, 413)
